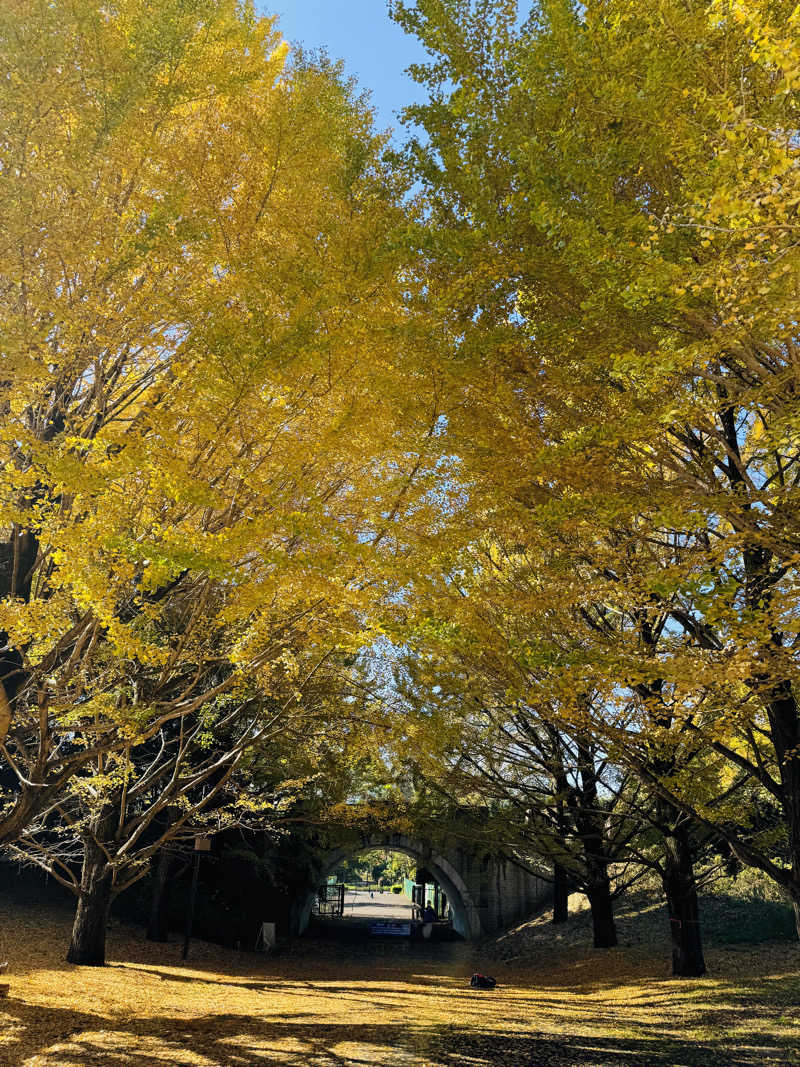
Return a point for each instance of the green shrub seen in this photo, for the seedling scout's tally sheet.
(397, 889)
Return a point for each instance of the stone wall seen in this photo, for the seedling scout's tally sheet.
(487, 893)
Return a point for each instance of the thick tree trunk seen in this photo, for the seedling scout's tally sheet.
(591, 828)
(796, 906)
(684, 911)
(785, 729)
(17, 561)
(560, 894)
(779, 696)
(88, 943)
(678, 879)
(603, 926)
(157, 928)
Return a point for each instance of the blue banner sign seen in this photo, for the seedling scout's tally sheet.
(390, 929)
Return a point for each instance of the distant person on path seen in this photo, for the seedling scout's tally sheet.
(428, 919)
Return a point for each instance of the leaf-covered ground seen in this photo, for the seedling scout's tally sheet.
(324, 1004)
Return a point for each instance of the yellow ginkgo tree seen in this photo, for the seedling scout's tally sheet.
(208, 411)
(614, 192)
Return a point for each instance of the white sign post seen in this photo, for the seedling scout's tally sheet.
(267, 938)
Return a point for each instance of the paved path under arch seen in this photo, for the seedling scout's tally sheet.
(359, 904)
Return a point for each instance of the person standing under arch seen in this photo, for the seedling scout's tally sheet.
(428, 920)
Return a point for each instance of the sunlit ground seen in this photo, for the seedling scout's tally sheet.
(342, 1006)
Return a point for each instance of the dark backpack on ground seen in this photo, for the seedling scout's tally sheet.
(482, 981)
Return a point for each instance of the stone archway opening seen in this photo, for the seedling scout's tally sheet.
(463, 910)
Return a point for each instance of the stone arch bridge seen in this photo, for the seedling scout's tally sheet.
(487, 892)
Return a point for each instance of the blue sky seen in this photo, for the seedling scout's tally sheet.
(375, 49)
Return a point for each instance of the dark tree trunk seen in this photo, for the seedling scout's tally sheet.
(157, 927)
(591, 828)
(684, 911)
(677, 877)
(560, 894)
(779, 696)
(785, 730)
(560, 877)
(88, 944)
(17, 562)
(601, 903)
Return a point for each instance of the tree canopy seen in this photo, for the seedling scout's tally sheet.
(611, 240)
(510, 412)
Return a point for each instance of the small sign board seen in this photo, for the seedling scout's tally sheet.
(267, 938)
(391, 929)
(202, 844)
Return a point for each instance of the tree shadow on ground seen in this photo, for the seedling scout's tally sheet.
(65, 1038)
(346, 1009)
(262, 986)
